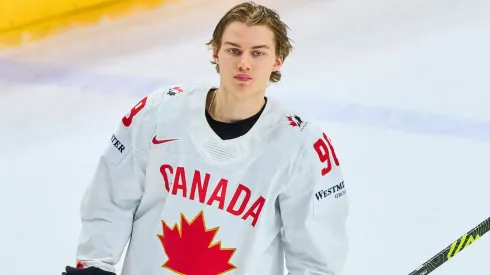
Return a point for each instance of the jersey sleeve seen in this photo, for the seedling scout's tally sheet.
(314, 210)
(109, 203)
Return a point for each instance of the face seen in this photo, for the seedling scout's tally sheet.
(246, 59)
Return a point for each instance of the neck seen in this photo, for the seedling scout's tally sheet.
(227, 108)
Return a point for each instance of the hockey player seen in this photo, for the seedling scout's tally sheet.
(205, 180)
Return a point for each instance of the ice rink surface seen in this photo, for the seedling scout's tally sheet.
(402, 88)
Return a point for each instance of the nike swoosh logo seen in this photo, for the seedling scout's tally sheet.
(160, 141)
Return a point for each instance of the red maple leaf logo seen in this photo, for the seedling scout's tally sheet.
(191, 251)
(292, 122)
(178, 89)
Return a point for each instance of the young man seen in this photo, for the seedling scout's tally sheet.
(208, 181)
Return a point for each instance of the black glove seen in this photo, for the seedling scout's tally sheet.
(86, 271)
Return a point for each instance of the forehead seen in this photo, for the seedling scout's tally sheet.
(248, 36)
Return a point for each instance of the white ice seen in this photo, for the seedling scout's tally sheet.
(402, 88)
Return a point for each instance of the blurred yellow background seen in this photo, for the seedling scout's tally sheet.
(30, 20)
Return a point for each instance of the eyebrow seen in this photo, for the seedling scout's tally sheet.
(254, 47)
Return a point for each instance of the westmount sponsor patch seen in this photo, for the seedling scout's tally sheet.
(336, 191)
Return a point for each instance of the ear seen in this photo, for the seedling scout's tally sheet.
(215, 55)
(278, 64)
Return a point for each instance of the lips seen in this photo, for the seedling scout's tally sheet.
(242, 77)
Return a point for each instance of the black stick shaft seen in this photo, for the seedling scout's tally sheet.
(453, 249)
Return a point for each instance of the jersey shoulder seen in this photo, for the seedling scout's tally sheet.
(167, 98)
(173, 94)
(295, 127)
(136, 127)
(307, 140)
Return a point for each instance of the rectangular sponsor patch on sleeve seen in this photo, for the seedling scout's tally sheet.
(118, 149)
(326, 198)
(335, 191)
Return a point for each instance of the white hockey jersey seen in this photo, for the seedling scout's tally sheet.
(191, 203)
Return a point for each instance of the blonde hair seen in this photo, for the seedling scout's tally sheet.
(254, 14)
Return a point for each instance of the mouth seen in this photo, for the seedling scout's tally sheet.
(242, 77)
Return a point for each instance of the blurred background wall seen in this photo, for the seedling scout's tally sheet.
(31, 20)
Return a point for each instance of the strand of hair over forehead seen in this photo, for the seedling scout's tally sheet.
(241, 11)
(261, 15)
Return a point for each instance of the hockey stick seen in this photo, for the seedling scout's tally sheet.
(451, 251)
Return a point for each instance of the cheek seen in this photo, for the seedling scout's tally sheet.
(225, 62)
(266, 65)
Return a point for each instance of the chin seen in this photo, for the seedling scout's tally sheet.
(246, 89)
(243, 88)
(243, 85)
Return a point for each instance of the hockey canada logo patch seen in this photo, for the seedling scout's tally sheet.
(295, 121)
(175, 90)
(190, 249)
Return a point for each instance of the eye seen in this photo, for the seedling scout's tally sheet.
(258, 53)
(233, 51)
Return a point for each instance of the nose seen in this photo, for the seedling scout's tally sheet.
(244, 63)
